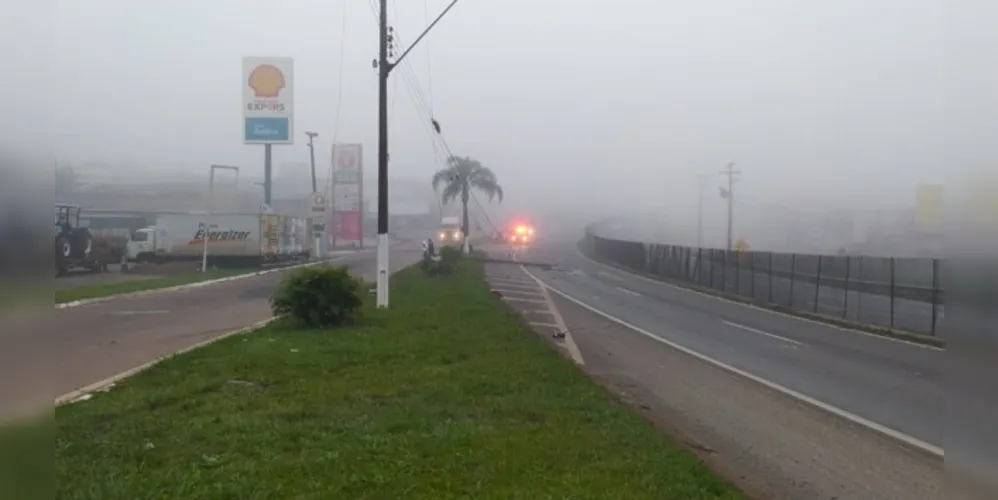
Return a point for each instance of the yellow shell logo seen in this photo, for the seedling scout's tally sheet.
(266, 80)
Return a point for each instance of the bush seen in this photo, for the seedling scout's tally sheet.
(318, 297)
(445, 263)
(450, 255)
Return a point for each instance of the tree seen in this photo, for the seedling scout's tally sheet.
(461, 176)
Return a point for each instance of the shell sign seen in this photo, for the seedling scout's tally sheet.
(266, 80)
(268, 100)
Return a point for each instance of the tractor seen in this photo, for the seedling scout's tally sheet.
(74, 245)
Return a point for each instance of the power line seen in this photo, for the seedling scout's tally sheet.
(385, 67)
(339, 88)
(425, 108)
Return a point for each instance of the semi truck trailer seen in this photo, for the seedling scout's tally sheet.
(228, 239)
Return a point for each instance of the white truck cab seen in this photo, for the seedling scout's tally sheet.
(142, 246)
(450, 230)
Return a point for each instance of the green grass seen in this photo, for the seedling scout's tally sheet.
(153, 283)
(447, 394)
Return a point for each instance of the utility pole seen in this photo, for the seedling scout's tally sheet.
(701, 185)
(384, 70)
(311, 157)
(729, 195)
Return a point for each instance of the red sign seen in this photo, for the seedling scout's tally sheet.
(349, 226)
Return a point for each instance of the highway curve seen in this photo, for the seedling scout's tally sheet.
(892, 383)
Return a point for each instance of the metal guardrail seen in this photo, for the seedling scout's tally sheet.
(894, 292)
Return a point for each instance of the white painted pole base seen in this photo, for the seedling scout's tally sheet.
(383, 253)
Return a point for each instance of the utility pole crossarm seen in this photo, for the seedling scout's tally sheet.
(392, 65)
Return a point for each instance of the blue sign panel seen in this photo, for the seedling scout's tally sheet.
(267, 129)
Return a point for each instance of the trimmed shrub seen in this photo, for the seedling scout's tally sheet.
(445, 263)
(450, 255)
(318, 297)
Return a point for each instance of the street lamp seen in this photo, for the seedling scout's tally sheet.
(311, 155)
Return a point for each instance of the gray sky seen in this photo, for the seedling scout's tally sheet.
(619, 103)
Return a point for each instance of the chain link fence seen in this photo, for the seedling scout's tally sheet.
(899, 293)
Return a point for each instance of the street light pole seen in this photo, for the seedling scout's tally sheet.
(729, 194)
(384, 69)
(311, 158)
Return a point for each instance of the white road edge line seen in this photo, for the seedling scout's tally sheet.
(760, 332)
(750, 306)
(95, 300)
(631, 292)
(73, 396)
(570, 345)
(834, 410)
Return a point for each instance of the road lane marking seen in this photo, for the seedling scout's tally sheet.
(632, 292)
(760, 332)
(518, 299)
(535, 292)
(542, 324)
(531, 286)
(573, 349)
(521, 282)
(829, 408)
(750, 306)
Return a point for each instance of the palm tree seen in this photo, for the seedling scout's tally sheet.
(460, 177)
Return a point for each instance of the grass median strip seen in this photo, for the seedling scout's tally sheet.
(152, 283)
(447, 394)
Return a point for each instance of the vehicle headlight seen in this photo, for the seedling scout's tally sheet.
(443, 236)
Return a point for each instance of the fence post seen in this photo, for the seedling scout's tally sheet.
(793, 272)
(738, 273)
(859, 292)
(687, 268)
(710, 271)
(892, 292)
(845, 307)
(724, 271)
(935, 295)
(817, 284)
(752, 270)
(699, 264)
(769, 271)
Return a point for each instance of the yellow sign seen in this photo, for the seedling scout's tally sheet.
(741, 245)
(266, 80)
(929, 207)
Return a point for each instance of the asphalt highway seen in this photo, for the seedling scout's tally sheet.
(68, 349)
(887, 383)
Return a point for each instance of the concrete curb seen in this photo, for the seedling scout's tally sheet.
(95, 300)
(81, 393)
